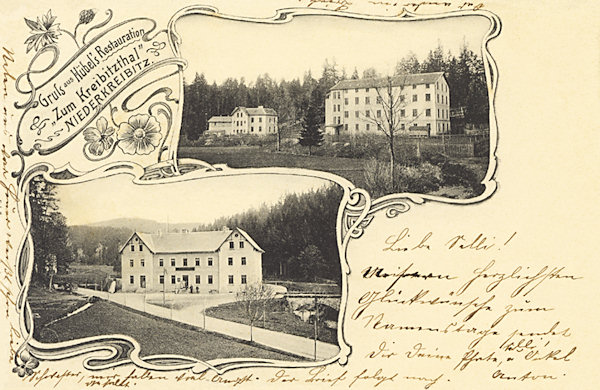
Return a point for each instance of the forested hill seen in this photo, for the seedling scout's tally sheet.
(298, 234)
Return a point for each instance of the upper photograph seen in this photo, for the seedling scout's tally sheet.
(393, 106)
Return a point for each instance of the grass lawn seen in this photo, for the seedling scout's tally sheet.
(349, 168)
(156, 335)
(281, 321)
(48, 305)
(255, 157)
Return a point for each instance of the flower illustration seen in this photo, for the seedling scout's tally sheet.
(27, 365)
(139, 135)
(44, 32)
(100, 137)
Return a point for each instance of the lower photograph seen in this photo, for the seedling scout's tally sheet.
(210, 269)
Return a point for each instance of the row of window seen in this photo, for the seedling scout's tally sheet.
(338, 94)
(197, 279)
(443, 114)
(415, 98)
(185, 263)
(270, 129)
(444, 126)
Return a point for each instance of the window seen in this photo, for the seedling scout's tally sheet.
(368, 114)
(367, 100)
(161, 262)
(414, 98)
(132, 248)
(402, 98)
(338, 108)
(131, 279)
(427, 86)
(438, 98)
(210, 261)
(259, 128)
(230, 261)
(402, 113)
(244, 279)
(402, 126)
(356, 100)
(172, 262)
(197, 279)
(345, 114)
(230, 279)
(252, 119)
(428, 112)
(414, 86)
(142, 263)
(172, 279)
(161, 279)
(414, 113)
(346, 126)
(231, 245)
(356, 114)
(241, 244)
(345, 100)
(379, 101)
(366, 89)
(131, 263)
(356, 127)
(141, 248)
(197, 262)
(243, 261)
(427, 97)
(378, 113)
(210, 279)
(368, 127)
(356, 90)
(184, 262)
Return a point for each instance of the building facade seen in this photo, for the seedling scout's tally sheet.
(255, 121)
(216, 261)
(421, 105)
(219, 125)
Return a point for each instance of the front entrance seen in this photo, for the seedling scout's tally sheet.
(142, 281)
(186, 281)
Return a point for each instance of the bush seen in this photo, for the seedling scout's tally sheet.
(454, 174)
(421, 178)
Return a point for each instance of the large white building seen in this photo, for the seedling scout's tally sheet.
(245, 120)
(219, 261)
(421, 105)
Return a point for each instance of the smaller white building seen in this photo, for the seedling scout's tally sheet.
(216, 261)
(219, 125)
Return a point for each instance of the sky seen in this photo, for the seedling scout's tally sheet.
(195, 201)
(222, 48)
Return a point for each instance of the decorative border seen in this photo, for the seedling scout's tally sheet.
(355, 213)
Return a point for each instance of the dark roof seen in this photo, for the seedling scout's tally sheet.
(189, 242)
(397, 81)
(260, 110)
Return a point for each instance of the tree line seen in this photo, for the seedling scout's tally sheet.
(291, 98)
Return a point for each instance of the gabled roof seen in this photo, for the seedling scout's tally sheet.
(220, 118)
(397, 81)
(260, 110)
(189, 242)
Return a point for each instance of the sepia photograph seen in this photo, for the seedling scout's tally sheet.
(211, 269)
(397, 115)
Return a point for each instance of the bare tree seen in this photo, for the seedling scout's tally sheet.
(388, 114)
(254, 299)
